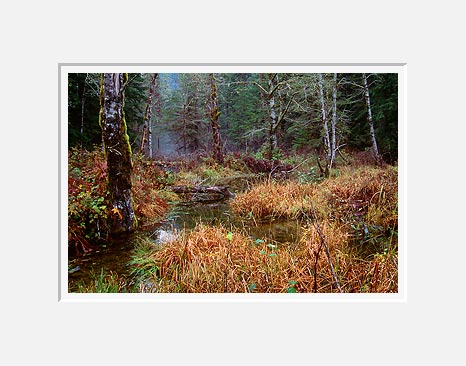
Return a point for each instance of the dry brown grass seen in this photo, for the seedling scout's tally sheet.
(205, 260)
(272, 200)
(358, 201)
(368, 192)
(364, 188)
(148, 205)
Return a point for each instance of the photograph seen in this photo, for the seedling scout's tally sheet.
(215, 183)
(244, 180)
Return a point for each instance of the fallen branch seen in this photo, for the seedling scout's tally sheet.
(222, 190)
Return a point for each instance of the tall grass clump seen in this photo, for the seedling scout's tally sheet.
(213, 259)
(272, 200)
(217, 260)
(357, 213)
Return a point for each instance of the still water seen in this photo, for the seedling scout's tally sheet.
(183, 216)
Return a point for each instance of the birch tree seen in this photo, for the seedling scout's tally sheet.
(117, 151)
(214, 114)
(328, 154)
(334, 121)
(275, 120)
(375, 150)
(147, 122)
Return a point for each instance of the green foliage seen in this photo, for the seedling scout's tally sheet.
(183, 110)
(383, 89)
(258, 241)
(103, 283)
(309, 176)
(142, 266)
(83, 88)
(292, 289)
(242, 120)
(136, 93)
(87, 198)
(183, 121)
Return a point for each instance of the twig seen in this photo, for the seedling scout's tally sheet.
(294, 168)
(324, 243)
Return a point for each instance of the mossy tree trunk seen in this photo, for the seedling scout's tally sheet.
(118, 152)
(214, 114)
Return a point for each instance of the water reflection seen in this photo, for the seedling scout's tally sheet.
(187, 216)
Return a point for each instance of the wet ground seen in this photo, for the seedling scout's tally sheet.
(183, 215)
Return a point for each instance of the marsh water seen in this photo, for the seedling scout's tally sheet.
(115, 257)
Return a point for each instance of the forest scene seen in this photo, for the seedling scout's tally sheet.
(232, 183)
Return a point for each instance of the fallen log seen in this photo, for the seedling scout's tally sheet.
(218, 192)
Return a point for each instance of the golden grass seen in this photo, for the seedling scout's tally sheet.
(148, 204)
(366, 191)
(204, 173)
(272, 200)
(205, 260)
(357, 212)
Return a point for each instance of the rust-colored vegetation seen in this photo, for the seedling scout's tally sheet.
(356, 214)
(88, 199)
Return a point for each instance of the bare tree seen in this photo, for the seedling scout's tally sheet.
(214, 114)
(117, 151)
(328, 154)
(147, 122)
(268, 95)
(375, 150)
(334, 121)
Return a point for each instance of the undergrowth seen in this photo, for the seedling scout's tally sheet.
(88, 197)
(355, 211)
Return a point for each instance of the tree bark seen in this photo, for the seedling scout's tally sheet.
(273, 143)
(83, 98)
(334, 121)
(324, 121)
(378, 159)
(223, 190)
(214, 114)
(147, 122)
(118, 152)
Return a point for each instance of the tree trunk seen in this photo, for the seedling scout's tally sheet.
(147, 118)
(378, 159)
(83, 98)
(224, 191)
(214, 114)
(324, 121)
(334, 120)
(273, 143)
(118, 152)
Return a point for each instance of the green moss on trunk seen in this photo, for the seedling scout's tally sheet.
(118, 152)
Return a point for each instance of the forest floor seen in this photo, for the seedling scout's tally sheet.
(348, 227)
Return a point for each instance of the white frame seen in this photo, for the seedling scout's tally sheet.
(399, 68)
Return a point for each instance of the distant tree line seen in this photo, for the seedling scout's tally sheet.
(265, 114)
